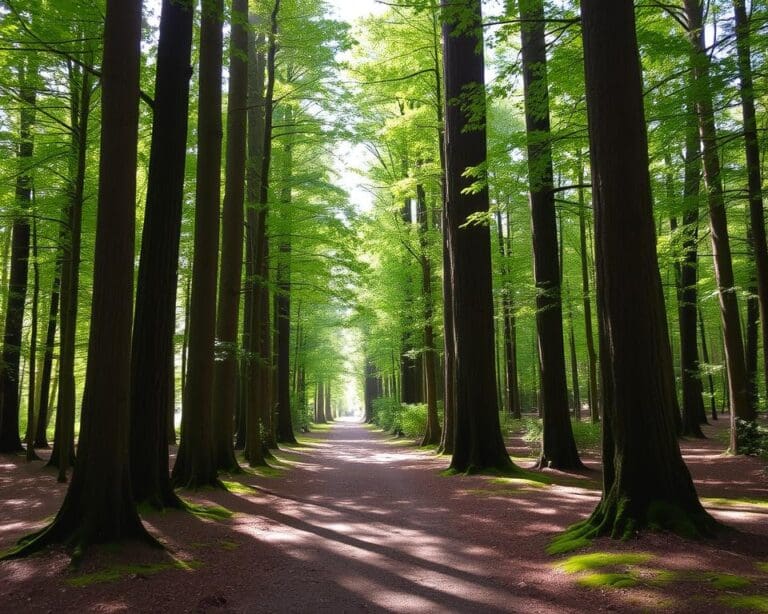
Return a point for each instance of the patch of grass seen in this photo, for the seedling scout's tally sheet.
(499, 492)
(119, 572)
(268, 471)
(239, 488)
(321, 427)
(762, 567)
(601, 560)
(663, 577)
(613, 580)
(210, 512)
(735, 502)
(532, 480)
(228, 545)
(726, 581)
(756, 603)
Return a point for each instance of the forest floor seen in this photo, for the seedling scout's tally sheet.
(353, 520)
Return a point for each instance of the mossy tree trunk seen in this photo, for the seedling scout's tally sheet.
(646, 482)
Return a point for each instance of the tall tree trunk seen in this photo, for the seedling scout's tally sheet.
(594, 409)
(195, 466)
(754, 174)
(41, 437)
(574, 366)
(225, 379)
(99, 505)
(10, 440)
(693, 403)
(478, 443)
(705, 356)
(283, 295)
(558, 448)
(30, 435)
(740, 405)
(63, 453)
(327, 403)
(645, 481)
(152, 353)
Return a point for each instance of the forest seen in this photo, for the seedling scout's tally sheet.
(409, 306)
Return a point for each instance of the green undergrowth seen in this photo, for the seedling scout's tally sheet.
(755, 603)
(631, 569)
(317, 428)
(121, 572)
(762, 567)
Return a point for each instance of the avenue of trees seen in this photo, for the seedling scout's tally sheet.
(564, 220)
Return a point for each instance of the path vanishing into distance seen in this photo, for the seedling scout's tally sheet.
(356, 521)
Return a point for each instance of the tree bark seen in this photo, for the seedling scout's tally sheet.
(646, 482)
(152, 353)
(740, 405)
(754, 173)
(478, 443)
(10, 441)
(195, 466)
(225, 379)
(558, 449)
(99, 505)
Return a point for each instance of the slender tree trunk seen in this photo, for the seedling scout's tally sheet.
(41, 437)
(30, 435)
(10, 440)
(693, 403)
(283, 296)
(574, 366)
(558, 448)
(99, 505)
(741, 408)
(63, 453)
(152, 355)
(646, 482)
(478, 443)
(754, 180)
(705, 356)
(195, 465)
(225, 379)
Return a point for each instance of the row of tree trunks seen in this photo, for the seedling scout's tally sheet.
(740, 404)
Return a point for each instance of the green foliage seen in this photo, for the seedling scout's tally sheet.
(754, 603)
(613, 580)
(587, 434)
(752, 438)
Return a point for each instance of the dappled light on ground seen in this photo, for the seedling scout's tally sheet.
(355, 520)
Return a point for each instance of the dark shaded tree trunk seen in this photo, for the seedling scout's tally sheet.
(99, 505)
(10, 441)
(32, 389)
(705, 356)
(741, 408)
(152, 353)
(225, 379)
(195, 466)
(693, 403)
(283, 295)
(63, 453)
(41, 436)
(594, 410)
(558, 448)
(478, 444)
(645, 481)
(755, 183)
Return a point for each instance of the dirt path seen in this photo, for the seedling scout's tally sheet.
(358, 522)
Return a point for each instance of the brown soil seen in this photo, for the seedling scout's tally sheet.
(359, 522)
